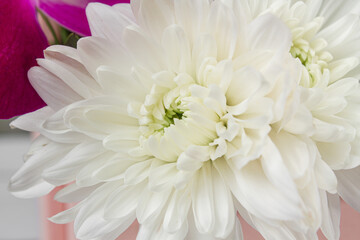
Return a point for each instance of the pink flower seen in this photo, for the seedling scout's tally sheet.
(71, 13)
(22, 41)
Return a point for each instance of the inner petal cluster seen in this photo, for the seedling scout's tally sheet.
(310, 50)
(162, 106)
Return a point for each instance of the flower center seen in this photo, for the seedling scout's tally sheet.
(161, 109)
(172, 113)
(310, 50)
(314, 67)
(306, 57)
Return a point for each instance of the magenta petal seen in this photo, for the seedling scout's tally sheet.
(71, 13)
(21, 42)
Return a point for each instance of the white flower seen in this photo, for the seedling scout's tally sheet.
(180, 113)
(325, 39)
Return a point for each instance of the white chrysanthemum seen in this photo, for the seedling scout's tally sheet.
(326, 40)
(180, 113)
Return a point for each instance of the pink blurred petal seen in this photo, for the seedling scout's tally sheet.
(71, 13)
(21, 42)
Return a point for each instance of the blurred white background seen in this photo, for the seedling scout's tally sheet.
(19, 218)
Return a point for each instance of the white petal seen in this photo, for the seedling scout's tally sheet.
(52, 89)
(204, 48)
(191, 16)
(276, 172)
(114, 169)
(121, 142)
(203, 199)
(334, 154)
(85, 176)
(345, 24)
(126, 10)
(95, 52)
(276, 230)
(295, 153)
(343, 87)
(246, 83)
(177, 210)
(332, 131)
(267, 201)
(216, 99)
(73, 193)
(123, 201)
(177, 48)
(333, 10)
(154, 231)
(193, 158)
(162, 148)
(70, 70)
(251, 142)
(162, 175)
(151, 204)
(67, 215)
(269, 33)
(35, 190)
(65, 171)
(301, 123)
(354, 158)
(311, 199)
(92, 210)
(340, 68)
(242, 213)
(96, 227)
(312, 9)
(223, 25)
(53, 52)
(137, 172)
(348, 186)
(155, 16)
(144, 50)
(114, 82)
(29, 175)
(111, 230)
(54, 128)
(32, 121)
(258, 115)
(325, 176)
(194, 233)
(99, 117)
(108, 22)
(223, 206)
(330, 204)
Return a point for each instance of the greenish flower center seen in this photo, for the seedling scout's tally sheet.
(305, 57)
(163, 110)
(315, 63)
(172, 113)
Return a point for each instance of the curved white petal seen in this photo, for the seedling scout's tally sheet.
(252, 177)
(330, 204)
(269, 33)
(347, 186)
(109, 22)
(52, 89)
(202, 199)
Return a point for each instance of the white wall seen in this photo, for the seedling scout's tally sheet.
(19, 218)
